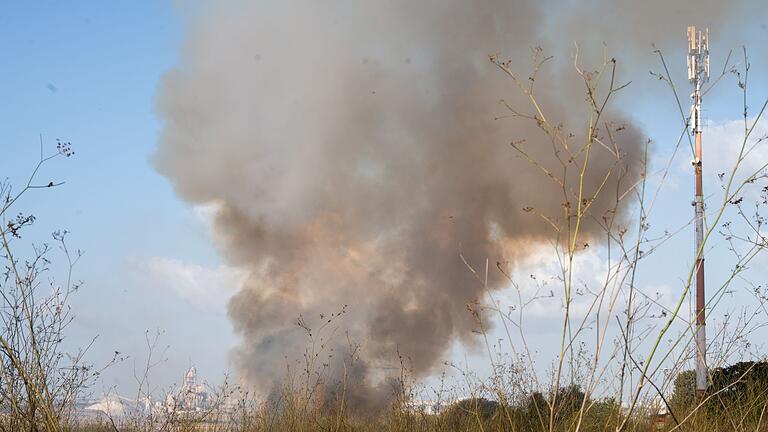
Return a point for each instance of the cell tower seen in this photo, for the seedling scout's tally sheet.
(698, 74)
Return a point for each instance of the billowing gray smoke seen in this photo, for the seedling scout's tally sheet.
(352, 153)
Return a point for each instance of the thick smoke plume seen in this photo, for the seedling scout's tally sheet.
(351, 150)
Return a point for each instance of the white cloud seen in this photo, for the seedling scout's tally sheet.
(207, 288)
(723, 140)
(540, 275)
(205, 213)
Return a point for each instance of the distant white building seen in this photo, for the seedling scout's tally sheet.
(110, 406)
(659, 406)
(191, 397)
(428, 407)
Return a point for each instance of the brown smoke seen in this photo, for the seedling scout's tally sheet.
(351, 150)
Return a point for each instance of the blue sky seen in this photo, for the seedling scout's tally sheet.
(87, 72)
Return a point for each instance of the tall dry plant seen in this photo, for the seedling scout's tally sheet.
(615, 352)
(39, 380)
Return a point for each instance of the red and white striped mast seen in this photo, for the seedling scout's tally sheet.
(698, 74)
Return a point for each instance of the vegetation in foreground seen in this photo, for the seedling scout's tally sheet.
(736, 401)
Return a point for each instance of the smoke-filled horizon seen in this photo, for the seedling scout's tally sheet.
(352, 154)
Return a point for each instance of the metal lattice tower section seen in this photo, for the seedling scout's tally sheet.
(698, 74)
